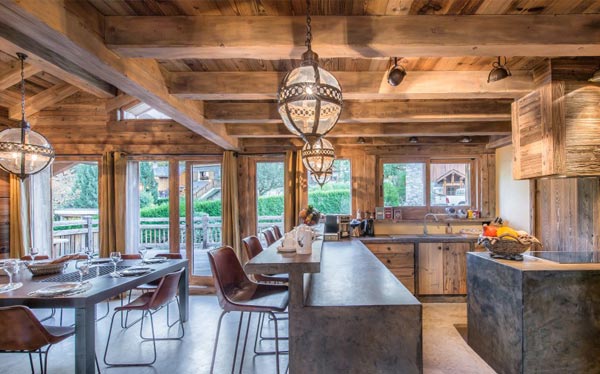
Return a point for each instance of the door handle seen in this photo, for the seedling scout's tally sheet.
(440, 247)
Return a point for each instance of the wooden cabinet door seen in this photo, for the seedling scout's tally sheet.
(431, 268)
(455, 268)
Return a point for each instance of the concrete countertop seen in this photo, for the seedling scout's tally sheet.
(352, 276)
(531, 263)
(411, 238)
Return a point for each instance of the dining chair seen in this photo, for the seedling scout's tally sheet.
(269, 237)
(149, 303)
(131, 256)
(237, 293)
(22, 332)
(276, 232)
(39, 257)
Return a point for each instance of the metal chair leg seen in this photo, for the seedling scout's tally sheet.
(237, 343)
(180, 325)
(31, 363)
(212, 365)
(128, 364)
(245, 342)
(276, 342)
(259, 328)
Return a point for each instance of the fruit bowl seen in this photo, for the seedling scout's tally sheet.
(509, 246)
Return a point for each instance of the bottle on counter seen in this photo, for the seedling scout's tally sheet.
(448, 228)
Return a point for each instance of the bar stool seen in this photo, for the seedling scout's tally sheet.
(237, 293)
(277, 232)
(269, 236)
(149, 303)
(22, 332)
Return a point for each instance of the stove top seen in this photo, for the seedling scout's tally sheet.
(569, 257)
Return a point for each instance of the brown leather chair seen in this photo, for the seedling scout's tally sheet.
(131, 256)
(270, 238)
(170, 256)
(22, 332)
(149, 303)
(276, 232)
(237, 293)
(253, 248)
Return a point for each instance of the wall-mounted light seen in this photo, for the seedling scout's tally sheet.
(596, 77)
(465, 139)
(413, 140)
(499, 71)
(396, 74)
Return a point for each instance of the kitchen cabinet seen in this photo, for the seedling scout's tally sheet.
(399, 258)
(556, 128)
(442, 268)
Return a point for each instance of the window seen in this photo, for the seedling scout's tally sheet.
(404, 184)
(153, 205)
(74, 206)
(450, 183)
(269, 194)
(142, 111)
(335, 197)
(426, 184)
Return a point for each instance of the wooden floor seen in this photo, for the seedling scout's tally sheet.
(444, 349)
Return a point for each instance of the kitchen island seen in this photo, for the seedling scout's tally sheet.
(535, 315)
(348, 313)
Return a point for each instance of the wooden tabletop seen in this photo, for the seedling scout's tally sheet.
(270, 261)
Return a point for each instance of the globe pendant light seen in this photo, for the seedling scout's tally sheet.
(24, 152)
(309, 98)
(318, 157)
(323, 177)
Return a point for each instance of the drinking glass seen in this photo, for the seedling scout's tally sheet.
(143, 252)
(89, 252)
(11, 267)
(33, 252)
(115, 257)
(83, 267)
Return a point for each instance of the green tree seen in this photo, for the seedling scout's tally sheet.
(269, 176)
(85, 188)
(147, 180)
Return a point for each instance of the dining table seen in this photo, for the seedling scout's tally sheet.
(103, 286)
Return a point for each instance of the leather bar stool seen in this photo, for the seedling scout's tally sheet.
(237, 293)
(149, 303)
(22, 332)
(269, 237)
(277, 232)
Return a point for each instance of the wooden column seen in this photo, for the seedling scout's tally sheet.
(174, 233)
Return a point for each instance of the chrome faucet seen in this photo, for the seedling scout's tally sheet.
(425, 232)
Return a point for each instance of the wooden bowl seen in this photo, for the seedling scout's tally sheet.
(45, 268)
(508, 246)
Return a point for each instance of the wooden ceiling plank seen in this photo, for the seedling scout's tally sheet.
(12, 76)
(356, 85)
(276, 37)
(119, 101)
(43, 100)
(346, 130)
(372, 112)
(60, 27)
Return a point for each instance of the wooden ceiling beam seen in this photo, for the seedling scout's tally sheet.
(355, 85)
(43, 100)
(277, 37)
(48, 60)
(351, 130)
(12, 75)
(370, 112)
(73, 30)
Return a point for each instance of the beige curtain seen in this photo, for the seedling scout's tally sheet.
(229, 198)
(113, 203)
(295, 188)
(18, 218)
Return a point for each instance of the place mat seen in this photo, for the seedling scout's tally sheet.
(156, 260)
(74, 276)
(4, 287)
(65, 289)
(96, 261)
(135, 271)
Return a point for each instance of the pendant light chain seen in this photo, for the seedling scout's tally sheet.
(22, 58)
(308, 42)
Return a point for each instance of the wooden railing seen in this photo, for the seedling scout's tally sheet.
(70, 236)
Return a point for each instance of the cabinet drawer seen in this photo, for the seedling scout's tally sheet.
(398, 261)
(392, 248)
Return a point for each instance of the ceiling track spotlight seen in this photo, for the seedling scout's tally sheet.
(413, 140)
(465, 139)
(396, 74)
(595, 78)
(499, 71)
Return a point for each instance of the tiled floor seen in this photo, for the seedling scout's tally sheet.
(444, 349)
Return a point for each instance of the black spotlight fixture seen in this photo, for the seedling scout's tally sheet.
(465, 139)
(396, 74)
(360, 140)
(413, 140)
(499, 71)
(596, 77)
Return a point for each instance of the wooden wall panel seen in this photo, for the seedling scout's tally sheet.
(568, 217)
(4, 213)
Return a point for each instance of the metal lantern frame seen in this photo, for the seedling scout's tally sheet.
(318, 92)
(23, 148)
(323, 177)
(319, 156)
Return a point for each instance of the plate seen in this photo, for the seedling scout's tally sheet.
(58, 289)
(286, 249)
(100, 260)
(157, 260)
(6, 288)
(134, 271)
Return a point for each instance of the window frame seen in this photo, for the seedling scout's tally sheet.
(417, 212)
